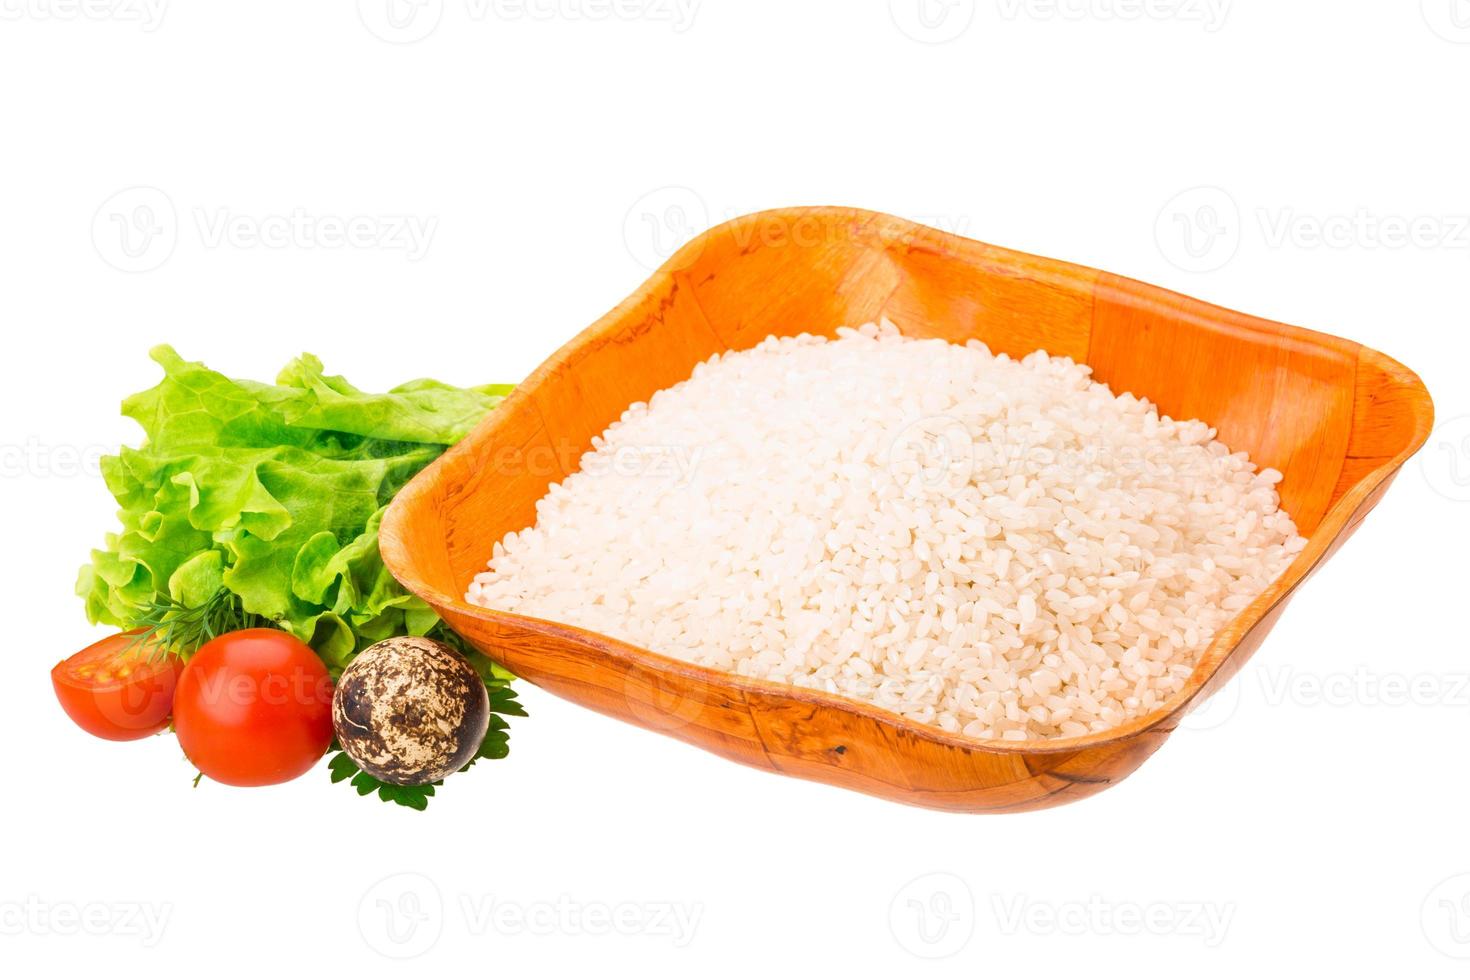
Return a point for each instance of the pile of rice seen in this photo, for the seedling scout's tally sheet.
(1001, 548)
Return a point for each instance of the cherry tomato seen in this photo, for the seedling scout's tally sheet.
(117, 688)
(254, 707)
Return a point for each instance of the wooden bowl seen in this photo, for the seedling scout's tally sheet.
(1336, 418)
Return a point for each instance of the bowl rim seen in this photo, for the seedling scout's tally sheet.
(1328, 531)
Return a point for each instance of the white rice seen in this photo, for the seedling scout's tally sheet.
(1001, 548)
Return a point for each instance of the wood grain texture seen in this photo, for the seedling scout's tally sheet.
(1336, 418)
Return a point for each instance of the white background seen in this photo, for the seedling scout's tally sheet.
(1315, 812)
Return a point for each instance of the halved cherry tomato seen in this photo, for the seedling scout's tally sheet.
(254, 707)
(118, 688)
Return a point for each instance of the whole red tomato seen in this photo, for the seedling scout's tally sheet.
(117, 688)
(254, 707)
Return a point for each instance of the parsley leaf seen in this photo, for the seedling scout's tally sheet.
(496, 745)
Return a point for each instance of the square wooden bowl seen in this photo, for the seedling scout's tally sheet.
(1336, 418)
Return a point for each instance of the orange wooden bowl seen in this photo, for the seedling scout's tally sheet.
(1336, 418)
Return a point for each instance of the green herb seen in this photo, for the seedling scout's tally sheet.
(253, 504)
(166, 624)
(496, 745)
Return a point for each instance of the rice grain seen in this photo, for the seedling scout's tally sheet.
(1000, 547)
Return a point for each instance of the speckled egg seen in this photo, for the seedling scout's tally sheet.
(410, 710)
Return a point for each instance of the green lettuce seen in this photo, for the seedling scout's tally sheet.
(275, 493)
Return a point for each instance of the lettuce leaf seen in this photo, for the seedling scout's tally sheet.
(274, 492)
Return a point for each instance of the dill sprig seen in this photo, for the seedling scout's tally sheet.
(167, 626)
